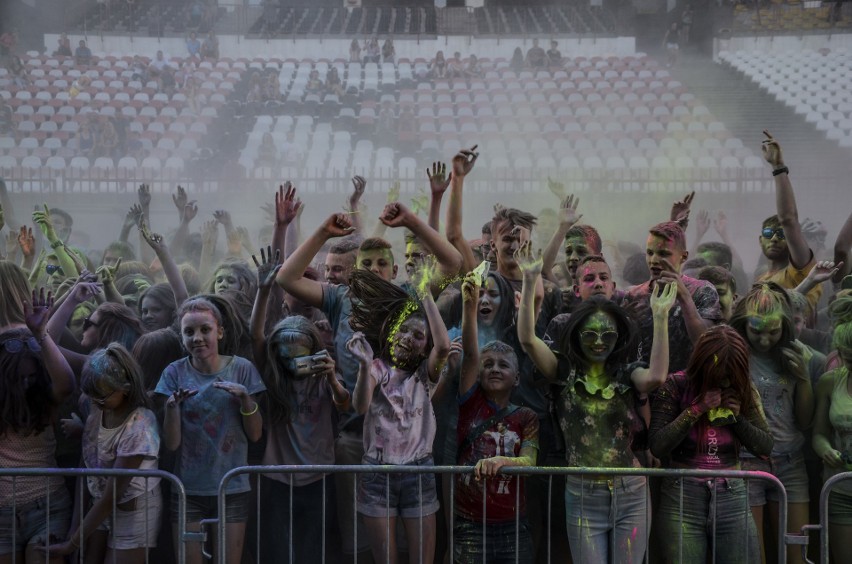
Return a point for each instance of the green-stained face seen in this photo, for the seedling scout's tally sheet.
(763, 331)
(598, 336)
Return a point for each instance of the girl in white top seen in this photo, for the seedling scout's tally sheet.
(122, 433)
(394, 392)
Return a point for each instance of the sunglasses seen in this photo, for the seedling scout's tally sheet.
(53, 268)
(769, 233)
(14, 346)
(103, 399)
(89, 323)
(589, 338)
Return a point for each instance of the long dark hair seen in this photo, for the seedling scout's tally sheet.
(117, 324)
(766, 298)
(164, 295)
(277, 377)
(720, 354)
(26, 403)
(570, 343)
(156, 350)
(379, 309)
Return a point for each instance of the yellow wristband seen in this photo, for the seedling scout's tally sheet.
(252, 412)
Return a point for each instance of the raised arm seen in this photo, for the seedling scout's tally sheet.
(423, 274)
(141, 212)
(157, 244)
(543, 358)
(36, 314)
(648, 379)
(463, 163)
(267, 269)
(358, 346)
(359, 185)
(448, 258)
(841, 250)
(186, 213)
(43, 220)
(469, 337)
(567, 219)
(291, 278)
(438, 184)
(106, 274)
(785, 203)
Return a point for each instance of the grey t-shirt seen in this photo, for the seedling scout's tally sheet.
(777, 393)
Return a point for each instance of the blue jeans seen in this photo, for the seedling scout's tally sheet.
(499, 543)
(307, 522)
(607, 519)
(715, 514)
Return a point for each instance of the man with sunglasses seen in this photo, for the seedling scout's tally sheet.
(781, 239)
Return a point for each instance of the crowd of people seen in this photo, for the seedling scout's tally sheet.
(305, 351)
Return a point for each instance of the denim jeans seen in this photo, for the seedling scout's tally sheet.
(307, 523)
(607, 519)
(716, 515)
(499, 543)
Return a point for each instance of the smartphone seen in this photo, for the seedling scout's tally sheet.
(304, 366)
(482, 271)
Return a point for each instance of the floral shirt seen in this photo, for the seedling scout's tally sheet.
(599, 428)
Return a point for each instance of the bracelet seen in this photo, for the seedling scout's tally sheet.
(782, 170)
(43, 337)
(252, 412)
(56, 244)
(334, 399)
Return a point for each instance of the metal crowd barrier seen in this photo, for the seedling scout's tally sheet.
(549, 472)
(47, 473)
(823, 518)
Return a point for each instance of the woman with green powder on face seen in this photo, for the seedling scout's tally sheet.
(764, 318)
(832, 441)
(598, 413)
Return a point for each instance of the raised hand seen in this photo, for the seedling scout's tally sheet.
(84, 291)
(155, 240)
(470, 287)
(439, 180)
(358, 347)
(180, 200)
(287, 205)
(190, 210)
(106, 273)
(395, 215)
(463, 161)
(11, 244)
(209, 233)
(568, 210)
(702, 223)
(359, 185)
(824, 270)
(267, 267)
(680, 208)
(720, 224)
(26, 241)
(556, 188)
(42, 219)
(337, 225)
(663, 298)
(224, 217)
(529, 264)
(2, 217)
(424, 273)
(144, 194)
(393, 193)
(772, 151)
(37, 312)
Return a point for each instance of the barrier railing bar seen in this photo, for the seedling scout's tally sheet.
(183, 535)
(549, 516)
(680, 529)
(715, 517)
(823, 512)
